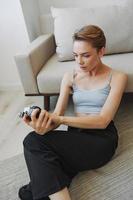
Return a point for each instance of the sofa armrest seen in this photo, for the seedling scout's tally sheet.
(32, 60)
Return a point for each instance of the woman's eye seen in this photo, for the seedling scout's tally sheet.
(86, 56)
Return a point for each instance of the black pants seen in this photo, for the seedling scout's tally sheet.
(55, 158)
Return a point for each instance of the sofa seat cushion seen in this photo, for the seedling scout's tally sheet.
(49, 78)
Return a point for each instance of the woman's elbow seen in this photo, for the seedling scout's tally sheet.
(104, 122)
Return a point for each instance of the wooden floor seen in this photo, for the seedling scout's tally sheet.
(13, 130)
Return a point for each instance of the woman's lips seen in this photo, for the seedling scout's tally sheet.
(82, 67)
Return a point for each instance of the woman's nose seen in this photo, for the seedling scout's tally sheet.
(80, 60)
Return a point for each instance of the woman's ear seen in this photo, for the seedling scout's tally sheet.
(101, 52)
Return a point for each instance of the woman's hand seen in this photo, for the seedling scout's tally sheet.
(43, 123)
(54, 119)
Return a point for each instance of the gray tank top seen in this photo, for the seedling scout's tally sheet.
(90, 101)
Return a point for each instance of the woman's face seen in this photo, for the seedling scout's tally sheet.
(87, 56)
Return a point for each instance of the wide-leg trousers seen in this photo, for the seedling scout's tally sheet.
(54, 158)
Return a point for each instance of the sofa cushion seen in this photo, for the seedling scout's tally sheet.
(49, 78)
(115, 20)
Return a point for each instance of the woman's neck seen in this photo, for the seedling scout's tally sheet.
(96, 70)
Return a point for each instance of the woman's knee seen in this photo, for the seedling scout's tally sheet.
(30, 140)
(34, 141)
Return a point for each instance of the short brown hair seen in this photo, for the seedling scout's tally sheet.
(92, 34)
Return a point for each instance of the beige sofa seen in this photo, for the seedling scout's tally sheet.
(42, 65)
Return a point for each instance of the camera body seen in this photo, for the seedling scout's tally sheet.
(28, 111)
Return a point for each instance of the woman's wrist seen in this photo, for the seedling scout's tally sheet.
(61, 119)
(55, 113)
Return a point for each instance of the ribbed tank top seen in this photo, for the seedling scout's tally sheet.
(90, 101)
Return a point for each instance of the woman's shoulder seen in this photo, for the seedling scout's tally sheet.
(68, 78)
(117, 74)
(118, 77)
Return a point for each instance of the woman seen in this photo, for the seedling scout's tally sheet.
(54, 157)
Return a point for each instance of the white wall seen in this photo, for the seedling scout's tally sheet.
(31, 13)
(13, 39)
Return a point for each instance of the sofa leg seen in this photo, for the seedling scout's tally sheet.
(47, 103)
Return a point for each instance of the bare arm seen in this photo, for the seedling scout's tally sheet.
(63, 98)
(108, 111)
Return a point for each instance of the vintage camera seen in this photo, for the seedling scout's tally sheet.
(28, 111)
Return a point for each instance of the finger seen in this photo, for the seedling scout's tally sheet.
(49, 123)
(26, 119)
(33, 115)
(42, 132)
(47, 116)
(39, 122)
